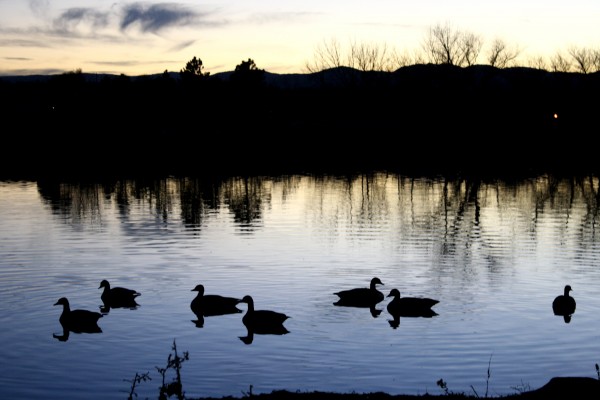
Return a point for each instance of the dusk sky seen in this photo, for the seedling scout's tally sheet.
(137, 38)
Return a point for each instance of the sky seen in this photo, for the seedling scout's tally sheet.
(281, 36)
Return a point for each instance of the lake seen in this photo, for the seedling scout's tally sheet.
(494, 253)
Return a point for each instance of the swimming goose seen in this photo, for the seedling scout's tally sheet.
(212, 304)
(564, 304)
(361, 297)
(258, 321)
(78, 321)
(118, 297)
(410, 306)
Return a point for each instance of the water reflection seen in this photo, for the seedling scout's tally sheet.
(395, 322)
(199, 321)
(485, 247)
(262, 330)
(245, 197)
(108, 305)
(457, 208)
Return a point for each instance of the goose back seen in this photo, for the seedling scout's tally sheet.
(361, 297)
(213, 304)
(118, 297)
(410, 306)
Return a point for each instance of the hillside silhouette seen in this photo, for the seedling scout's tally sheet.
(422, 119)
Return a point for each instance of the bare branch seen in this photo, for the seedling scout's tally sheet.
(559, 63)
(501, 55)
(327, 55)
(583, 58)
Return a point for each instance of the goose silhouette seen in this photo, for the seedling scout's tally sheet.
(409, 307)
(564, 304)
(206, 305)
(117, 297)
(76, 321)
(361, 297)
(260, 321)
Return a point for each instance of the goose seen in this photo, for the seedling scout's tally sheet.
(259, 321)
(212, 304)
(78, 321)
(118, 297)
(564, 304)
(410, 306)
(361, 297)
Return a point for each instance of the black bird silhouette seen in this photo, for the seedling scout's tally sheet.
(117, 297)
(564, 304)
(76, 321)
(261, 319)
(206, 305)
(361, 297)
(409, 307)
(262, 322)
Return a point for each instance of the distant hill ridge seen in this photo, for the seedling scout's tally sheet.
(340, 76)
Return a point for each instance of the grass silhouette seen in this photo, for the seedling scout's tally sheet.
(557, 388)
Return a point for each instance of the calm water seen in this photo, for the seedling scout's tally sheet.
(494, 254)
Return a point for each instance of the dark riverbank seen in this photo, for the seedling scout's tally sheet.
(557, 388)
(422, 119)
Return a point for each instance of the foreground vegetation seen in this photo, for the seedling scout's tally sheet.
(556, 388)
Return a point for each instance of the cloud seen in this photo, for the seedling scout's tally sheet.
(39, 8)
(182, 45)
(283, 17)
(17, 58)
(155, 17)
(71, 18)
(18, 42)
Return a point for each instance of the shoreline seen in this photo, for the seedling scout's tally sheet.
(582, 388)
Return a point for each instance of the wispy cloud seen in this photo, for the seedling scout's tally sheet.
(73, 17)
(182, 45)
(17, 42)
(152, 18)
(155, 17)
(263, 18)
(17, 58)
(39, 8)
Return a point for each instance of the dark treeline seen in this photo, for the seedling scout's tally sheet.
(419, 119)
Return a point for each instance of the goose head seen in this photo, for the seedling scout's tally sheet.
(199, 289)
(375, 281)
(62, 302)
(568, 289)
